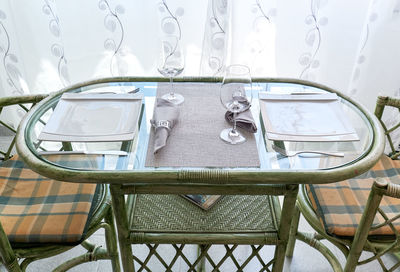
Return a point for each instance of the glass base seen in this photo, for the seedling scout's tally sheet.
(174, 98)
(231, 137)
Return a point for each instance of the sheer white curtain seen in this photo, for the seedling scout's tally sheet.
(352, 46)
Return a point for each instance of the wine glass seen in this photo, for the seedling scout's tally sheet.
(171, 64)
(236, 96)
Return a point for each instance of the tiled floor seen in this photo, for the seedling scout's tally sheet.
(305, 258)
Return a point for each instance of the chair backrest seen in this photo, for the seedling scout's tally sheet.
(382, 187)
(381, 103)
(23, 103)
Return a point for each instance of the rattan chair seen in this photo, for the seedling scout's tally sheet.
(359, 214)
(41, 217)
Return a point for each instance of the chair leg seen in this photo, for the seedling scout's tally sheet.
(111, 241)
(364, 226)
(126, 253)
(7, 255)
(293, 231)
(119, 208)
(13, 266)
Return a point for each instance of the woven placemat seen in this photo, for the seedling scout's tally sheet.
(194, 141)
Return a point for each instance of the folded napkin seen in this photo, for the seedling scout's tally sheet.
(165, 117)
(244, 119)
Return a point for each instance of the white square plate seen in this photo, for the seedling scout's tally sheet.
(80, 117)
(308, 117)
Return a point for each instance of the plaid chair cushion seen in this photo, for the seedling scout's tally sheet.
(340, 205)
(35, 209)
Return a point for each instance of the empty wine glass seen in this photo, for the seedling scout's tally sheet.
(236, 96)
(171, 64)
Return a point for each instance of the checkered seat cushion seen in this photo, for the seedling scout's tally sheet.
(340, 205)
(35, 209)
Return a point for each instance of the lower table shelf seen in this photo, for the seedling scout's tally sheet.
(233, 220)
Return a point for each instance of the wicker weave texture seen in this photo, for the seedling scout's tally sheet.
(231, 213)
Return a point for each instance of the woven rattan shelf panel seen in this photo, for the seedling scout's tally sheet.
(172, 213)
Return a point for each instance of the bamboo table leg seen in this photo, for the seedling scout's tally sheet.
(118, 203)
(284, 227)
(293, 232)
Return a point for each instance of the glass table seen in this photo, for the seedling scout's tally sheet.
(249, 213)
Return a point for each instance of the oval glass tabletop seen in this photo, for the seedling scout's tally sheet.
(307, 128)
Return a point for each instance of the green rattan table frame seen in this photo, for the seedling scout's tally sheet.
(244, 189)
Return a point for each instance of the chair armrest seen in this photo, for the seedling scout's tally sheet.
(389, 189)
(388, 101)
(16, 101)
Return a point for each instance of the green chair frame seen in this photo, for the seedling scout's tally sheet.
(352, 247)
(17, 256)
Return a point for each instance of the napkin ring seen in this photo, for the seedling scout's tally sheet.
(162, 123)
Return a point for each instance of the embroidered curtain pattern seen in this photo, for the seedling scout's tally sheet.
(348, 45)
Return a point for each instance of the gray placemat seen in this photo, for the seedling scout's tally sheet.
(194, 141)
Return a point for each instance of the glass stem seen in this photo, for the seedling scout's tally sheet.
(234, 123)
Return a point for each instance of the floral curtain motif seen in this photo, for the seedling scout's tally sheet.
(361, 56)
(262, 44)
(313, 39)
(10, 62)
(170, 31)
(215, 38)
(113, 23)
(11, 77)
(169, 23)
(378, 59)
(348, 45)
(251, 36)
(396, 9)
(57, 48)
